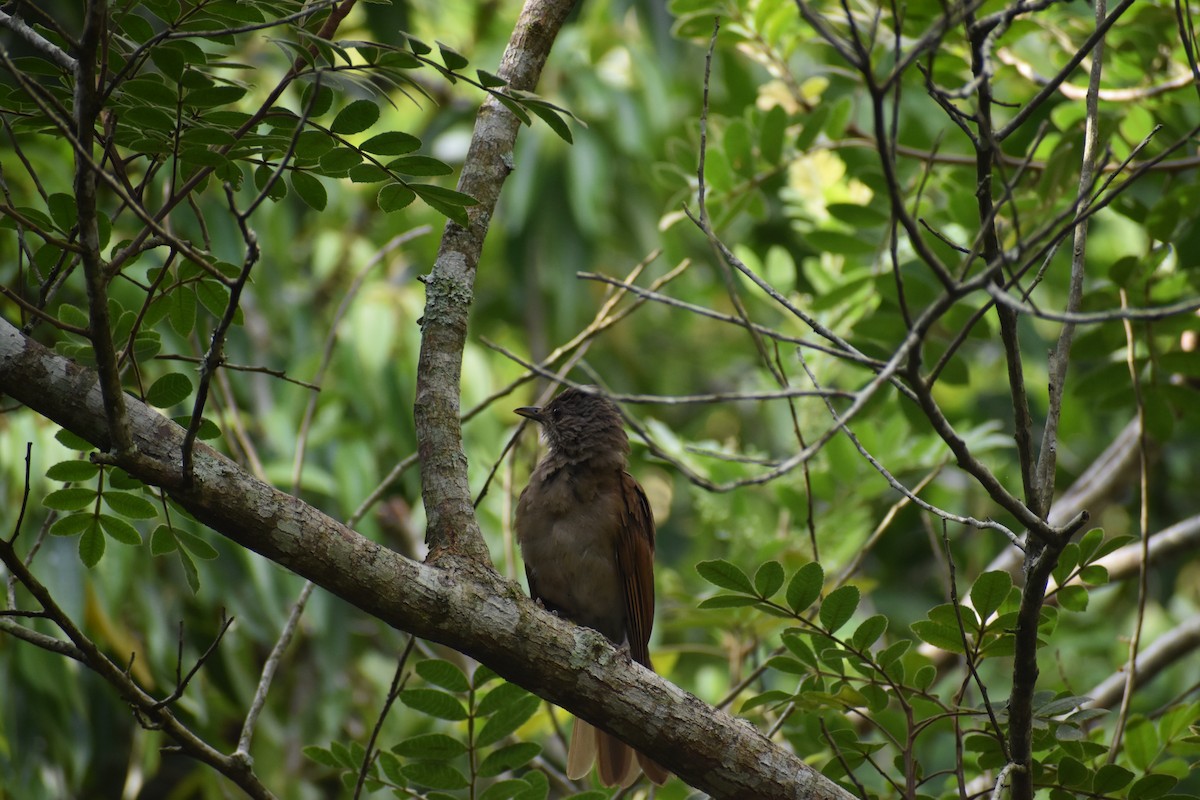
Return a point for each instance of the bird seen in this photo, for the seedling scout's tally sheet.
(586, 533)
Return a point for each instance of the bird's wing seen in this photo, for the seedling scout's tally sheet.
(635, 562)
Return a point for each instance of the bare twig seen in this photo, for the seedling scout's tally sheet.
(1135, 640)
(393, 693)
(269, 669)
(1060, 356)
(216, 350)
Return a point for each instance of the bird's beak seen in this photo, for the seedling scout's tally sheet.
(529, 412)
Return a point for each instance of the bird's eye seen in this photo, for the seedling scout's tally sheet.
(556, 412)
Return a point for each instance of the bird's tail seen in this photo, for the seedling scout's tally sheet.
(614, 760)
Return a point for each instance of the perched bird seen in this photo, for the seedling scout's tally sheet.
(587, 536)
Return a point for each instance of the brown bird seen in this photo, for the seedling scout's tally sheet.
(587, 536)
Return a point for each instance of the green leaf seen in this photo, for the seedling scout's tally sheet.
(869, 631)
(1094, 575)
(1072, 772)
(482, 676)
(1141, 743)
(208, 428)
(73, 471)
(434, 703)
(130, 505)
(71, 499)
(91, 546)
(311, 145)
(504, 790)
(507, 720)
(355, 118)
(503, 695)
(391, 767)
(392, 143)
(444, 674)
(539, 787)
(196, 546)
(213, 296)
(890, 654)
(727, 601)
(120, 530)
(768, 579)
(725, 575)
(989, 591)
(420, 166)
(789, 665)
(553, 119)
(190, 573)
(1110, 778)
(510, 757)
(172, 388)
(1089, 543)
(368, 173)
(70, 440)
(1073, 598)
(453, 59)
(310, 189)
(183, 310)
(430, 193)
(162, 541)
(490, 81)
(62, 210)
(838, 607)
(1152, 786)
(318, 106)
(430, 746)
(805, 586)
(1067, 562)
(394, 197)
(320, 755)
(435, 775)
(797, 644)
(771, 136)
(771, 697)
(213, 96)
(73, 524)
(946, 637)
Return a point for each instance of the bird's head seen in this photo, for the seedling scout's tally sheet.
(579, 425)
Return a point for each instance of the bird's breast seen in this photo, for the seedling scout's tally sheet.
(568, 530)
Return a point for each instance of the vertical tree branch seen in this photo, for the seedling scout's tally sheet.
(448, 292)
(985, 158)
(87, 109)
(1060, 355)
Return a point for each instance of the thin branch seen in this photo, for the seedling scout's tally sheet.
(270, 667)
(1172, 647)
(274, 373)
(234, 767)
(31, 37)
(1053, 83)
(1131, 676)
(310, 409)
(181, 683)
(87, 110)
(968, 656)
(1060, 356)
(393, 692)
(216, 350)
(900, 487)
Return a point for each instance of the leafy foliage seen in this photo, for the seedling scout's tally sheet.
(258, 230)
